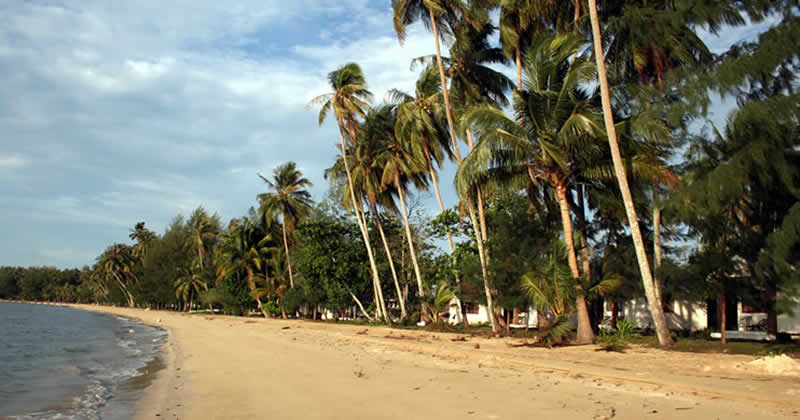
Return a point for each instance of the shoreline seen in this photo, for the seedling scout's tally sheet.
(157, 397)
(232, 367)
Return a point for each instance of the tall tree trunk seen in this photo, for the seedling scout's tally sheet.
(452, 247)
(772, 314)
(457, 153)
(586, 258)
(288, 260)
(614, 312)
(657, 248)
(411, 247)
(378, 223)
(358, 302)
(519, 64)
(722, 309)
(252, 287)
(448, 110)
(362, 224)
(585, 332)
(656, 310)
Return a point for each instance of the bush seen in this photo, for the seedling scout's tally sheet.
(616, 341)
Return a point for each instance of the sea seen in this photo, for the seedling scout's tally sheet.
(59, 363)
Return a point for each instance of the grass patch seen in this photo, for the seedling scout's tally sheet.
(702, 345)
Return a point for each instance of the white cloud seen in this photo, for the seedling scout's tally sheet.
(12, 162)
(121, 111)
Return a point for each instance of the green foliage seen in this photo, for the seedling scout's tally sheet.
(557, 334)
(619, 340)
(331, 259)
(439, 303)
(232, 294)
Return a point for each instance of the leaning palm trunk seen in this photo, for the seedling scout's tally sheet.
(288, 260)
(657, 247)
(252, 285)
(125, 291)
(411, 247)
(362, 224)
(451, 126)
(459, 305)
(641, 255)
(378, 223)
(585, 333)
(358, 302)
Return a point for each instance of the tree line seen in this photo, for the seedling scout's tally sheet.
(594, 176)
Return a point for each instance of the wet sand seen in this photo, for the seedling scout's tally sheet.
(220, 367)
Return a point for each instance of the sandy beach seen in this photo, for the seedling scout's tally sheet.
(220, 367)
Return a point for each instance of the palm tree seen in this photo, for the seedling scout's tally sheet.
(239, 254)
(117, 265)
(555, 123)
(419, 123)
(366, 177)
(289, 200)
(656, 310)
(551, 287)
(143, 237)
(400, 164)
(204, 230)
(349, 102)
(440, 301)
(474, 82)
(405, 13)
(189, 284)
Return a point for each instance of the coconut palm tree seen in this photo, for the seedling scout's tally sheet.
(116, 265)
(419, 123)
(143, 237)
(656, 310)
(434, 14)
(367, 180)
(400, 164)
(239, 254)
(204, 231)
(289, 199)
(189, 284)
(440, 16)
(555, 122)
(349, 101)
(474, 82)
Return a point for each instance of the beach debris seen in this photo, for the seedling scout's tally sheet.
(359, 373)
(363, 332)
(459, 338)
(404, 337)
(285, 328)
(477, 346)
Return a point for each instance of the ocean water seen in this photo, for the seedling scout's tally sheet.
(64, 363)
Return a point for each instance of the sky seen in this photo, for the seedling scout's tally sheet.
(114, 112)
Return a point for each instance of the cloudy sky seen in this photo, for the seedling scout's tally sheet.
(113, 112)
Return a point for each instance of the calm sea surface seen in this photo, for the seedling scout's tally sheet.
(64, 363)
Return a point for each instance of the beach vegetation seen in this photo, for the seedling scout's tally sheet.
(597, 175)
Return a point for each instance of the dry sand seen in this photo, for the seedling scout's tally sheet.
(222, 367)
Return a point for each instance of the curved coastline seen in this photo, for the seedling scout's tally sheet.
(220, 367)
(158, 395)
(118, 363)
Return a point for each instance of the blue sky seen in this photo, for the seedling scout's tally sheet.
(112, 112)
